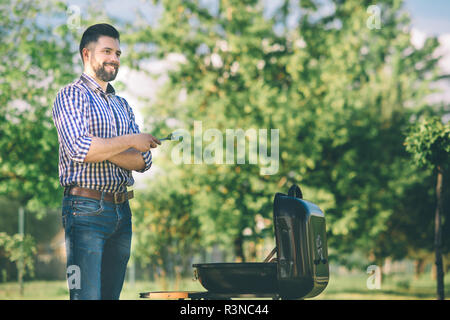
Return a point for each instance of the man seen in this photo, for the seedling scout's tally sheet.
(99, 146)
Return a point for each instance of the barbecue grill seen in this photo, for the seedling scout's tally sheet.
(300, 269)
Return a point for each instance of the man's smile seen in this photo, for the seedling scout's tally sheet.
(115, 66)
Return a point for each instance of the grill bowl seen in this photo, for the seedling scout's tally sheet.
(239, 278)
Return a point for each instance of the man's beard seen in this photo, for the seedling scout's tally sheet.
(104, 75)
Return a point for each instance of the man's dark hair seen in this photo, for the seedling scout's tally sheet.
(94, 32)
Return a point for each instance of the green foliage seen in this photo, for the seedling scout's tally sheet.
(224, 90)
(429, 143)
(165, 231)
(19, 249)
(37, 61)
(340, 93)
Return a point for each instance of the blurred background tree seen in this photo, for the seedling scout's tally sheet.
(429, 143)
(38, 60)
(341, 93)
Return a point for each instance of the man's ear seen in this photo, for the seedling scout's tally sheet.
(86, 53)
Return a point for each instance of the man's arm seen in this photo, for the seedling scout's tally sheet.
(103, 149)
(116, 149)
(130, 159)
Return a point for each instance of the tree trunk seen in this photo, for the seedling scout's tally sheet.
(419, 267)
(20, 264)
(239, 249)
(438, 238)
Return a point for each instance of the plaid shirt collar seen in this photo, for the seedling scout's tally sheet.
(94, 86)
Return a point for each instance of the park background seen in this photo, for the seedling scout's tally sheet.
(358, 91)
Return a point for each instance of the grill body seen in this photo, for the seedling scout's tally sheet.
(301, 269)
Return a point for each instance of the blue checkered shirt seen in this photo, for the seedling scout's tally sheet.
(82, 109)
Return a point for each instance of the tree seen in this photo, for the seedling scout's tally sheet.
(167, 234)
(429, 143)
(38, 61)
(19, 249)
(227, 86)
(366, 87)
(340, 93)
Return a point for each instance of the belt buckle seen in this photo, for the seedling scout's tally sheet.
(117, 198)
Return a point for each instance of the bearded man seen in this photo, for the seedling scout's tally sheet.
(99, 146)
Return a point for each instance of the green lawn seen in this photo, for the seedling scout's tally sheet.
(394, 287)
(340, 287)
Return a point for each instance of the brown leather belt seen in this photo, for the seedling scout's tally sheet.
(116, 197)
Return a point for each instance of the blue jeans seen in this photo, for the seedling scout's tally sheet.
(98, 242)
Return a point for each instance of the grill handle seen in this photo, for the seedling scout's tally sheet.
(295, 191)
(271, 254)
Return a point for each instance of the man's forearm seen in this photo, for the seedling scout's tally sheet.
(103, 149)
(130, 159)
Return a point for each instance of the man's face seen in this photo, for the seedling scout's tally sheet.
(104, 58)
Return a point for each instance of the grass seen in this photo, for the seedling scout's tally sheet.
(342, 287)
(57, 290)
(394, 287)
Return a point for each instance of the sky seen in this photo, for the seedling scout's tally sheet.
(431, 17)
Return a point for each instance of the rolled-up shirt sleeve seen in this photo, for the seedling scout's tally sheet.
(134, 128)
(68, 117)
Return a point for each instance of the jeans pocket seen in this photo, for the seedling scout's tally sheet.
(66, 210)
(66, 218)
(82, 206)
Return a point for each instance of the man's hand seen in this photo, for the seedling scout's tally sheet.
(144, 141)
